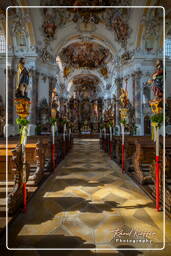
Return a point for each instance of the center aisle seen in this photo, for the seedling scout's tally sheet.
(83, 204)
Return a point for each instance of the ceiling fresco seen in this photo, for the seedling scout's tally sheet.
(85, 55)
(84, 80)
(87, 20)
(85, 91)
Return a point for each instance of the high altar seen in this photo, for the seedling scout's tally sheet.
(85, 107)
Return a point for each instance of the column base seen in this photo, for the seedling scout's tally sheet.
(139, 131)
(117, 130)
(12, 131)
(31, 129)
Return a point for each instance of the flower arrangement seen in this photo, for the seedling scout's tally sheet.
(158, 119)
(53, 120)
(123, 121)
(22, 122)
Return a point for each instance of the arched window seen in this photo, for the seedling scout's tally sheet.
(2, 42)
(168, 47)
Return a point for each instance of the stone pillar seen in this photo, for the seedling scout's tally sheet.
(52, 85)
(138, 102)
(11, 95)
(133, 90)
(11, 106)
(34, 102)
(118, 82)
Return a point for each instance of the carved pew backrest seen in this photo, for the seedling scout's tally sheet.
(39, 155)
(4, 165)
(18, 164)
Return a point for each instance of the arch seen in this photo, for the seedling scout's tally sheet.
(78, 72)
(78, 39)
(93, 38)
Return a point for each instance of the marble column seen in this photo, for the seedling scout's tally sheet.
(133, 90)
(11, 95)
(138, 102)
(52, 85)
(11, 105)
(119, 82)
(34, 102)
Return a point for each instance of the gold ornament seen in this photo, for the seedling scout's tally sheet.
(156, 106)
(22, 107)
(123, 113)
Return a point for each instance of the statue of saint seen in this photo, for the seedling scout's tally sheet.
(124, 97)
(22, 80)
(157, 84)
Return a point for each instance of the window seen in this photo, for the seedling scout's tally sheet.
(168, 47)
(2, 42)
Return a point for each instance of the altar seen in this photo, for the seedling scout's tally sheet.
(85, 106)
(85, 129)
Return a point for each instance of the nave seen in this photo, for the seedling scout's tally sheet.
(84, 203)
(97, 69)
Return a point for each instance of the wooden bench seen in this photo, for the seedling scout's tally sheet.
(62, 147)
(34, 157)
(15, 178)
(130, 148)
(143, 159)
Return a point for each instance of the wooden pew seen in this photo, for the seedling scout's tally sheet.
(62, 147)
(130, 148)
(143, 159)
(3, 165)
(117, 149)
(167, 172)
(45, 140)
(35, 158)
(15, 178)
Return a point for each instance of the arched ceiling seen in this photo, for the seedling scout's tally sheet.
(85, 55)
(85, 79)
(84, 84)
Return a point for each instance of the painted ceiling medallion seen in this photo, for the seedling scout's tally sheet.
(86, 80)
(85, 55)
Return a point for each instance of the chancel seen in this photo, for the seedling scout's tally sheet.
(85, 125)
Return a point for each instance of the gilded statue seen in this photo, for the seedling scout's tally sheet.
(55, 103)
(157, 87)
(157, 80)
(22, 80)
(124, 97)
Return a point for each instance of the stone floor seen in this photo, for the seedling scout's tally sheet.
(88, 203)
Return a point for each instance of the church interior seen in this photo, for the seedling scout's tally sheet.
(85, 127)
